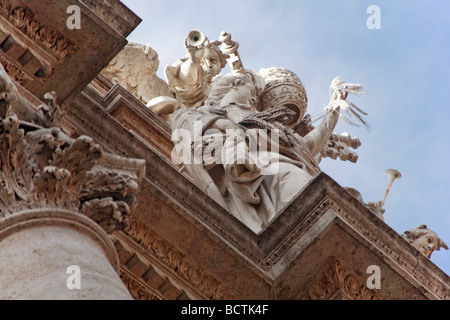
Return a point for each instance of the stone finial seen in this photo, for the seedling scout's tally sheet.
(424, 240)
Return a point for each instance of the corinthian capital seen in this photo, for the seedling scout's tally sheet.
(42, 167)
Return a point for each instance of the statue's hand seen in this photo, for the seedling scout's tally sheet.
(338, 101)
(194, 53)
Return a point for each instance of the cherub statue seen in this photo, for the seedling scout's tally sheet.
(424, 240)
(134, 68)
(190, 78)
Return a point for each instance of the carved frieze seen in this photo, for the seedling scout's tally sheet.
(46, 37)
(29, 49)
(137, 289)
(16, 74)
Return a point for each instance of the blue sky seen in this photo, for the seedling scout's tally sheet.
(404, 67)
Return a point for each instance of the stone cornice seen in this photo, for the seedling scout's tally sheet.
(151, 251)
(43, 54)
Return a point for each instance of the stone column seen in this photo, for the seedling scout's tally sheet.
(57, 254)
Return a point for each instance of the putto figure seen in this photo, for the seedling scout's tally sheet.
(424, 240)
(243, 136)
(190, 78)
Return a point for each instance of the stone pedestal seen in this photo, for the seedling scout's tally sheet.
(38, 247)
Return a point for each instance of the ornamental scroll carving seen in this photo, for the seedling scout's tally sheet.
(336, 281)
(42, 167)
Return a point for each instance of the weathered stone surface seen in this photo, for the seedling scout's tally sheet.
(134, 68)
(60, 196)
(44, 55)
(37, 247)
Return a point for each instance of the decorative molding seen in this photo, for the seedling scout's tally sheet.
(48, 38)
(300, 216)
(292, 238)
(136, 287)
(30, 50)
(182, 265)
(15, 73)
(115, 13)
(398, 256)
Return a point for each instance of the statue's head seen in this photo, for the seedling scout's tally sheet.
(424, 240)
(213, 60)
(235, 88)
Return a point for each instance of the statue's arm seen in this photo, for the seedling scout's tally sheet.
(319, 136)
(188, 71)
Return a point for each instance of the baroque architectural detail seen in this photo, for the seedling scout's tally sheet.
(29, 49)
(295, 234)
(137, 289)
(43, 167)
(46, 37)
(181, 264)
(46, 168)
(432, 284)
(337, 281)
(134, 68)
(15, 73)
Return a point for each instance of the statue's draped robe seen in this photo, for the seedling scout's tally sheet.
(253, 194)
